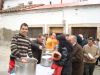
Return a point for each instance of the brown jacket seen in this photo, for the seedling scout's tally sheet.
(77, 60)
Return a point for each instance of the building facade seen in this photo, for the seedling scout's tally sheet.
(70, 18)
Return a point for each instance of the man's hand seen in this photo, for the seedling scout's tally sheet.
(24, 60)
(92, 59)
(40, 47)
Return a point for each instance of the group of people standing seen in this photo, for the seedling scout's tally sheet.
(82, 54)
(78, 55)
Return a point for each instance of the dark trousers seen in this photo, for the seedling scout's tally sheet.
(98, 59)
(89, 68)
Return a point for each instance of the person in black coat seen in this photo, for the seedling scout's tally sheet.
(37, 46)
(79, 40)
(84, 40)
(65, 49)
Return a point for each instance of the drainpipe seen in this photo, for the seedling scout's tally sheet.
(50, 3)
(61, 1)
(63, 21)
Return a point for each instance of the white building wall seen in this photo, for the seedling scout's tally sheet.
(86, 14)
(13, 21)
(94, 1)
(82, 15)
(86, 1)
(70, 1)
(71, 15)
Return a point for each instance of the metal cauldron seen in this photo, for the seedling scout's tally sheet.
(26, 68)
(45, 59)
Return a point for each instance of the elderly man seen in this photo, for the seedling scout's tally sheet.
(77, 56)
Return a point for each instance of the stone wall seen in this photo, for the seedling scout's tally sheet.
(6, 34)
(1, 34)
(1, 4)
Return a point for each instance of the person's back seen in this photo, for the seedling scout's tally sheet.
(51, 42)
(84, 40)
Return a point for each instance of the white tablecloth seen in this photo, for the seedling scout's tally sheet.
(41, 70)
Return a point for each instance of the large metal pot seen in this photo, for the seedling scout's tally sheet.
(45, 60)
(26, 68)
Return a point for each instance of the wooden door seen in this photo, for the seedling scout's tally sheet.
(56, 29)
(86, 31)
(35, 31)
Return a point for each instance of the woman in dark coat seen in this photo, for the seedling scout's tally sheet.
(65, 49)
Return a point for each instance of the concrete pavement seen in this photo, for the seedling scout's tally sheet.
(4, 59)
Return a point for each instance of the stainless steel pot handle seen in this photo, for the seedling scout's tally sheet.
(19, 65)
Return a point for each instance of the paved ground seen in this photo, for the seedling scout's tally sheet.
(4, 58)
